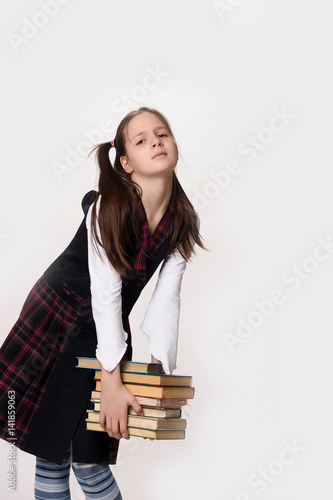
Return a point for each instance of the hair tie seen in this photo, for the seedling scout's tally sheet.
(112, 144)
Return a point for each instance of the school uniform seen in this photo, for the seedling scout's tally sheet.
(58, 323)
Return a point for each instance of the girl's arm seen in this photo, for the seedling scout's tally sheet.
(161, 321)
(105, 286)
(106, 303)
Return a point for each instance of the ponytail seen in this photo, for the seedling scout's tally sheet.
(116, 212)
(184, 231)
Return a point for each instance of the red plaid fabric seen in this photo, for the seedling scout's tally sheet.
(30, 354)
(146, 245)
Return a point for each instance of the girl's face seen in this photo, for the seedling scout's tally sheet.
(151, 149)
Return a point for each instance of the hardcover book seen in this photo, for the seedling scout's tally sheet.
(134, 366)
(146, 433)
(152, 391)
(151, 378)
(154, 423)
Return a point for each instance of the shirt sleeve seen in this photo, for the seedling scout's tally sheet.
(106, 302)
(161, 321)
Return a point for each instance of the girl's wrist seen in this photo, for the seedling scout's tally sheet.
(111, 378)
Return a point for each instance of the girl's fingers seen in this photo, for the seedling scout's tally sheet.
(136, 407)
(123, 429)
(115, 429)
(110, 426)
(123, 425)
(102, 422)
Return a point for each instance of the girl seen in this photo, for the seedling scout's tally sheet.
(139, 218)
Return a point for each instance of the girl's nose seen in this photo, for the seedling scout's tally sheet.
(157, 142)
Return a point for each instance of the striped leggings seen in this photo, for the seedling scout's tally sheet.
(96, 480)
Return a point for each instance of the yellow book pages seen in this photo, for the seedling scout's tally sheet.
(135, 366)
(156, 423)
(146, 422)
(158, 412)
(152, 379)
(156, 391)
(147, 433)
(150, 402)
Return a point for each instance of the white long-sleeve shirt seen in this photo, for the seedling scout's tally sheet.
(161, 321)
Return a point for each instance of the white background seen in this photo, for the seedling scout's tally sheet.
(224, 74)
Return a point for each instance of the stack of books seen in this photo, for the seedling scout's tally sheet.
(161, 397)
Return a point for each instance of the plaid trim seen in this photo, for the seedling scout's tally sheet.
(145, 244)
(30, 353)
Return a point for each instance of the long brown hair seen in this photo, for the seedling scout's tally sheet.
(117, 215)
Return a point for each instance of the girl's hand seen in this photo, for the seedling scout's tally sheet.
(115, 400)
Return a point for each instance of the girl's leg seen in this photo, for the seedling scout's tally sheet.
(96, 481)
(52, 480)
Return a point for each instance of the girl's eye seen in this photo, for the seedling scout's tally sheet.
(158, 135)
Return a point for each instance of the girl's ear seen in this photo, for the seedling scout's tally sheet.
(124, 163)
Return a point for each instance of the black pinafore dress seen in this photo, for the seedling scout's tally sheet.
(39, 356)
